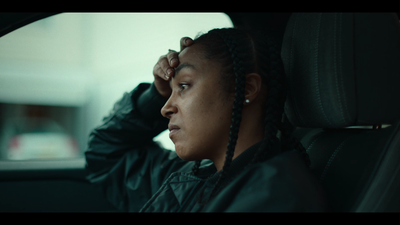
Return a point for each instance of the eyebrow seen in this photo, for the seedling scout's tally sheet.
(182, 66)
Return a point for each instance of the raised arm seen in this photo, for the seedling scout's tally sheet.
(122, 158)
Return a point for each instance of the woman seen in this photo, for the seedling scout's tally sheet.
(222, 99)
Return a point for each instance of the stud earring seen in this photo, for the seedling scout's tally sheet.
(247, 101)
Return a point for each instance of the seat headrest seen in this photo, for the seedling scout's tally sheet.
(342, 69)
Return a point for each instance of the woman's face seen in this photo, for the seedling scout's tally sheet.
(198, 109)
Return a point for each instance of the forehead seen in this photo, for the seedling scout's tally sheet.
(192, 53)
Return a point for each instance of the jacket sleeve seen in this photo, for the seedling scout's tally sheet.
(122, 159)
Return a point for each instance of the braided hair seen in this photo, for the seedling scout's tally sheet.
(241, 52)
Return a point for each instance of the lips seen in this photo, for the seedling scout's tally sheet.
(173, 129)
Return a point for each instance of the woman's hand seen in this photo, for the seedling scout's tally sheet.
(164, 68)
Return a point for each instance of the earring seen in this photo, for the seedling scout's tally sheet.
(247, 101)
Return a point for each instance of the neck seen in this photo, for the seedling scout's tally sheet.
(251, 131)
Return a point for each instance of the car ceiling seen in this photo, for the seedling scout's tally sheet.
(273, 23)
(12, 21)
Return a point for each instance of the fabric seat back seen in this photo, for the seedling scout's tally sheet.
(343, 70)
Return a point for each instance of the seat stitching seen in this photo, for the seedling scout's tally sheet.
(296, 111)
(335, 67)
(328, 164)
(341, 70)
(316, 72)
(309, 147)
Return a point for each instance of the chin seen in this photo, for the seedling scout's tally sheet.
(184, 154)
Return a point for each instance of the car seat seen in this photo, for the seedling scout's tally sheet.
(343, 75)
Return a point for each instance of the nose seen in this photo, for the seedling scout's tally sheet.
(169, 108)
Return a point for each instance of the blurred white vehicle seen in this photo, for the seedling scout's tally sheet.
(39, 138)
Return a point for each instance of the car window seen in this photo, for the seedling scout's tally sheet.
(61, 75)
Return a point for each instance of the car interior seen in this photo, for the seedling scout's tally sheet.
(342, 71)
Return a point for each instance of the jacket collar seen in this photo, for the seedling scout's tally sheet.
(237, 165)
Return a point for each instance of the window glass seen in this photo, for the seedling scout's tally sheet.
(61, 75)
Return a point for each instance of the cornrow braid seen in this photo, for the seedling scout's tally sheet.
(275, 109)
(240, 79)
(241, 52)
(276, 97)
(290, 142)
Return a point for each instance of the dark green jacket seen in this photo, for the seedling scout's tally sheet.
(136, 174)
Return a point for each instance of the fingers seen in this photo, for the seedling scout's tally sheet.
(159, 73)
(186, 42)
(172, 58)
(166, 63)
(172, 55)
(164, 68)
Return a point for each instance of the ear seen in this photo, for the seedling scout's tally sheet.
(253, 87)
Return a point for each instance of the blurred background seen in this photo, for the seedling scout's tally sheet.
(61, 75)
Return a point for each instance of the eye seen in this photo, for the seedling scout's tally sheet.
(183, 86)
